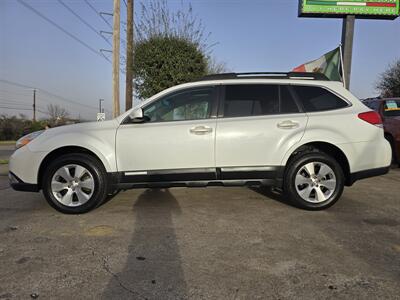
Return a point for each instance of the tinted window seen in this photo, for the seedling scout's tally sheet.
(186, 105)
(287, 104)
(318, 99)
(372, 104)
(255, 100)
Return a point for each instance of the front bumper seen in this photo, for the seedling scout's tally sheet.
(18, 185)
(24, 164)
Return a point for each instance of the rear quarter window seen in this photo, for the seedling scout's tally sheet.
(315, 98)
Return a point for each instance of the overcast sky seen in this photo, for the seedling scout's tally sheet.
(251, 35)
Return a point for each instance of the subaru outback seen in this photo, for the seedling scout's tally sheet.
(297, 132)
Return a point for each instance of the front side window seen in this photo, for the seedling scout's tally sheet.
(391, 108)
(194, 104)
(257, 99)
(315, 98)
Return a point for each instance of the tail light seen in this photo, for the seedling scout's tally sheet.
(371, 117)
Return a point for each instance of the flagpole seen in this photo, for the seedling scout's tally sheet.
(341, 64)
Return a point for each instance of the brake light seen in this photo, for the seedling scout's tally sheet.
(371, 117)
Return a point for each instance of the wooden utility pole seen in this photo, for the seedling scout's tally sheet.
(115, 62)
(129, 55)
(34, 105)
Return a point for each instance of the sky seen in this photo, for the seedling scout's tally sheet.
(250, 35)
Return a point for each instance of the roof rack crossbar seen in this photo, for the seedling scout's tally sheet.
(266, 75)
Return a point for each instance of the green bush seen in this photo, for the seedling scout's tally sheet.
(162, 62)
(12, 128)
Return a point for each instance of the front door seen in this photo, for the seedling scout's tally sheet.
(177, 143)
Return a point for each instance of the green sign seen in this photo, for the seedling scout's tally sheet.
(375, 9)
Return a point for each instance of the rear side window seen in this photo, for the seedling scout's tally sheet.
(257, 99)
(316, 98)
(374, 105)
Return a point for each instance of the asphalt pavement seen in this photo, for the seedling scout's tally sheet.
(203, 243)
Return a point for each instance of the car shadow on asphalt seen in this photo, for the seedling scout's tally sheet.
(270, 193)
(153, 269)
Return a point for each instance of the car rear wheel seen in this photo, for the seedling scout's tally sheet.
(75, 183)
(395, 159)
(313, 181)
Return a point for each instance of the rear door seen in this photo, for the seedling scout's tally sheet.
(257, 124)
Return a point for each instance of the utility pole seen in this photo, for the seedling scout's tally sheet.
(34, 105)
(347, 44)
(115, 61)
(100, 109)
(129, 55)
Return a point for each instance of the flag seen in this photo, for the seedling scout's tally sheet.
(329, 64)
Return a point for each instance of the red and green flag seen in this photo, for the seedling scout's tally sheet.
(330, 64)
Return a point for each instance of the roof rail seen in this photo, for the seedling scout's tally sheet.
(266, 75)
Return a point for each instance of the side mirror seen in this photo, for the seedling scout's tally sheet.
(137, 116)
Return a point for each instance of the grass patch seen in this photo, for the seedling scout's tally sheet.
(7, 142)
(3, 161)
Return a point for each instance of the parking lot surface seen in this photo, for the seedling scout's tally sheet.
(204, 243)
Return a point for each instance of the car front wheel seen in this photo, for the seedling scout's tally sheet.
(75, 183)
(314, 181)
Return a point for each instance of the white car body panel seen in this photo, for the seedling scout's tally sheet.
(165, 145)
(97, 137)
(25, 164)
(256, 141)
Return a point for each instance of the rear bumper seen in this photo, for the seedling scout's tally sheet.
(18, 185)
(367, 173)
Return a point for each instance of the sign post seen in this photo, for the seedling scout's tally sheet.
(347, 46)
(101, 117)
(349, 10)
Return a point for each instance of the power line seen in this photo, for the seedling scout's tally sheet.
(48, 93)
(60, 27)
(101, 15)
(97, 12)
(15, 108)
(16, 102)
(83, 21)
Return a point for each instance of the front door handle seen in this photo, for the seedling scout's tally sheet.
(200, 130)
(288, 124)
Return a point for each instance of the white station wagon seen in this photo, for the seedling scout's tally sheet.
(297, 132)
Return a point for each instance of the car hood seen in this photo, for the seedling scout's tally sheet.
(83, 127)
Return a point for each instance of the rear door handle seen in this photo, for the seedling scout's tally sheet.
(288, 124)
(200, 130)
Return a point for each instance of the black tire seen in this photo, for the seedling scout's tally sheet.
(94, 166)
(296, 164)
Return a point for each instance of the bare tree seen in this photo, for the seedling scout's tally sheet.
(389, 81)
(57, 113)
(155, 20)
(215, 67)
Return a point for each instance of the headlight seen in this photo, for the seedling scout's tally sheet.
(26, 139)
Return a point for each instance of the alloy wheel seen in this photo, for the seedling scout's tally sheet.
(315, 182)
(72, 185)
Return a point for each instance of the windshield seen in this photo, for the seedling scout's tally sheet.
(391, 108)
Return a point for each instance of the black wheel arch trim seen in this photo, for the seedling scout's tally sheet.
(17, 184)
(366, 174)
